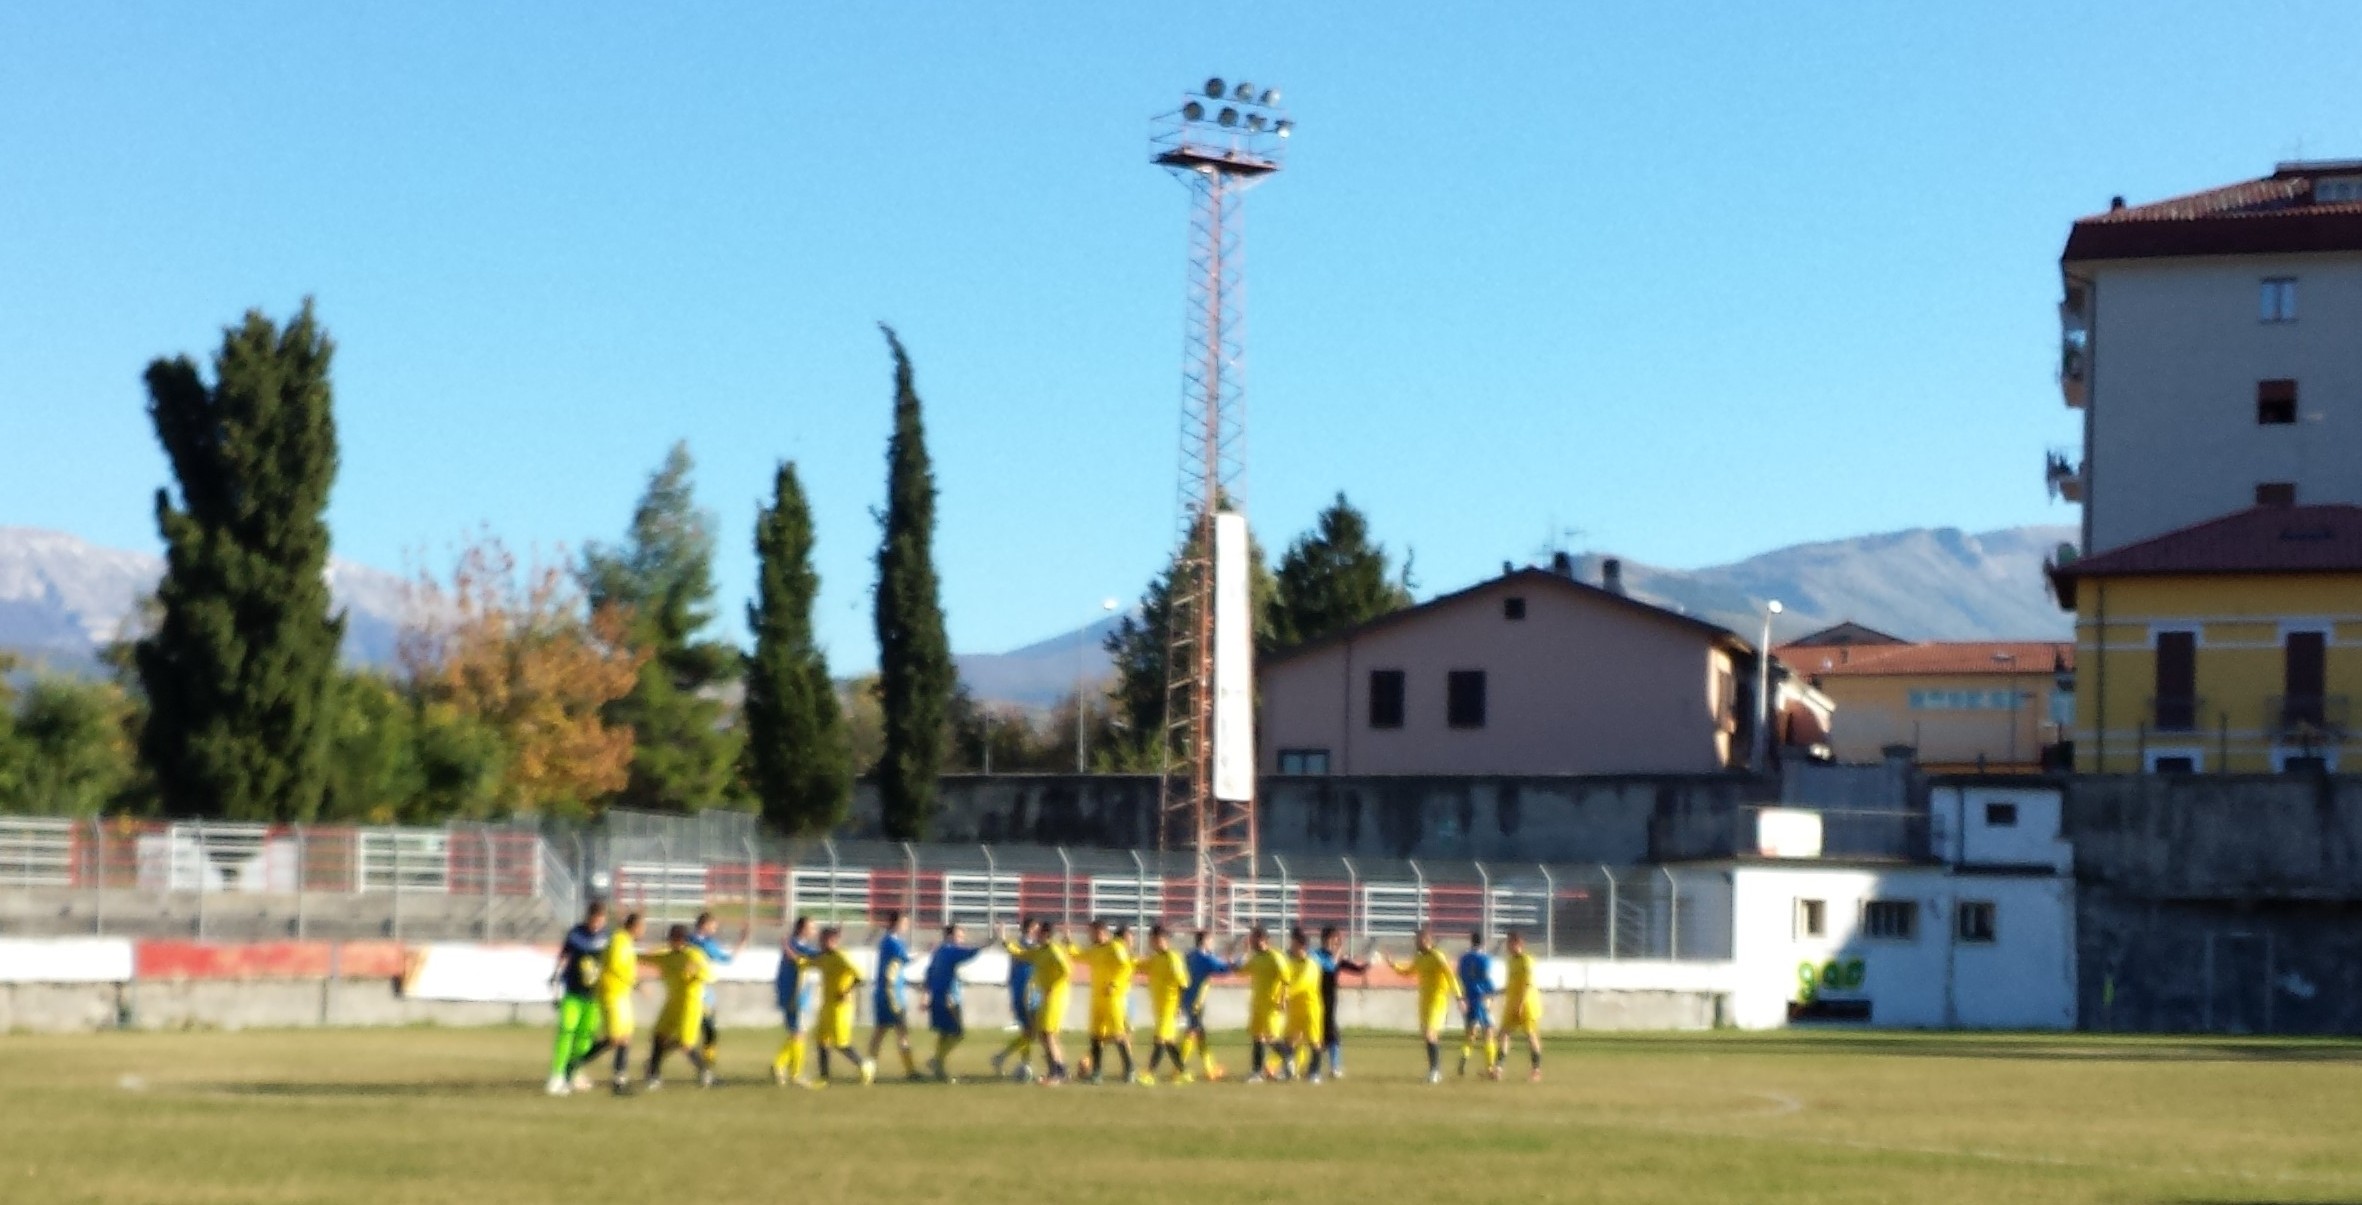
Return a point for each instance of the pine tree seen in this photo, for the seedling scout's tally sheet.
(661, 579)
(798, 758)
(915, 675)
(1333, 578)
(240, 669)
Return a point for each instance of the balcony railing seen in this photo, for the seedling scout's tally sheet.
(2063, 476)
(2175, 713)
(2306, 719)
(2074, 368)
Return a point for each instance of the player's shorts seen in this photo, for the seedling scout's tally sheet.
(615, 1013)
(1193, 1017)
(1304, 1023)
(1433, 1013)
(681, 1021)
(1523, 1015)
(1051, 1016)
(1478, 1015)
(1021, 1011)
(1264, 1021)
(1109, 1017)
(889, 1012)
(1168, 1024)
(834, 1028)
(791, 1017)
(946, 1020)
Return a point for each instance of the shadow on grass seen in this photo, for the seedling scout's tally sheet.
(2065, 1048)
(329, 1090)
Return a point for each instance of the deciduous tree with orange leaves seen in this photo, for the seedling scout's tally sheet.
(522, 654)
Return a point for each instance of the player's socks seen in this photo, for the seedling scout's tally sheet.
(1434, 1058)
(824, 1062)
(1465, 1047)
(1125, 1049)
(1257, 1057)
(910, 1062)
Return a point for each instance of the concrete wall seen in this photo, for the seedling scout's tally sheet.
(2218, 903)
(746, 1007)
(1532, 819)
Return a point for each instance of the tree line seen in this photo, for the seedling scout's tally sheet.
(559, 687)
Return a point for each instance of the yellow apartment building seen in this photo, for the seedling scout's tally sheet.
(1963, 706)
(2233, 645)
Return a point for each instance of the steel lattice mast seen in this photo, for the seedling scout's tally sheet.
(1219, 144)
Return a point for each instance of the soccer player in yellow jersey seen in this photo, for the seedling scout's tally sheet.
(1521, 1009)
(619, 976)
(1267, 997)
(1439, 989)
(681, 1022)
(1053, 973)
(1168, 976)
(1021, 997)
(840, 987)
(1111, 960)
(1302, 1034)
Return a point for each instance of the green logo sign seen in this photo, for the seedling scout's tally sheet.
(1835, 975)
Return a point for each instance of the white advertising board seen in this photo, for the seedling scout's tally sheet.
(1234, 663)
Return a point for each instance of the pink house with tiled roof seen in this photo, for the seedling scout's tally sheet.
(2213, 343)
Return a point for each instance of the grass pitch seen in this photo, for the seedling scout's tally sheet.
(444, 1115)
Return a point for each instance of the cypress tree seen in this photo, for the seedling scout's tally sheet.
(915, 675)
(683, 758)
(1333, 578)
(797, 759)
(240, 669)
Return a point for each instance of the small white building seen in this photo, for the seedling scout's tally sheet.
(1981, 938)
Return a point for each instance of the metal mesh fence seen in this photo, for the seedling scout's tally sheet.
(215, 880)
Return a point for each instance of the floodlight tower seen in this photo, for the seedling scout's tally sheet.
(1222, 141)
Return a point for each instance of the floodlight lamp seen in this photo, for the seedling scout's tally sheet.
(1270, 97)
(1245, 91)
(1193, 111)
(1215, 89)
(1256, 122)
(1229, 116)
(1286, 127)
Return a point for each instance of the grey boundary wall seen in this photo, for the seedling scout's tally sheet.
(745, 1010)
(2218, 903)
(1594, 819)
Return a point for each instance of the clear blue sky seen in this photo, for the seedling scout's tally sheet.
(1699, 280)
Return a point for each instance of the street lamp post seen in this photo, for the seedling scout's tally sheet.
(1762, 742)
(1082, 709)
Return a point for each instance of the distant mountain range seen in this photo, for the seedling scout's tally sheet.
(1923, 583)
(61, 598)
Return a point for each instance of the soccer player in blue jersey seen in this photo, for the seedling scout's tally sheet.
(705, 936)
(1333, 962)
(1477, 990)
(1203, 964)
(1022, 1002)
(889, 999)
(944, 1014)
(796, 953)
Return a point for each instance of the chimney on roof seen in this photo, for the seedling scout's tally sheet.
(1507, 568)
(1562, 564)
(2115, 203)
(1611, 575)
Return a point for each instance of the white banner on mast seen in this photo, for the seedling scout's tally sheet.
(1234, 663)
